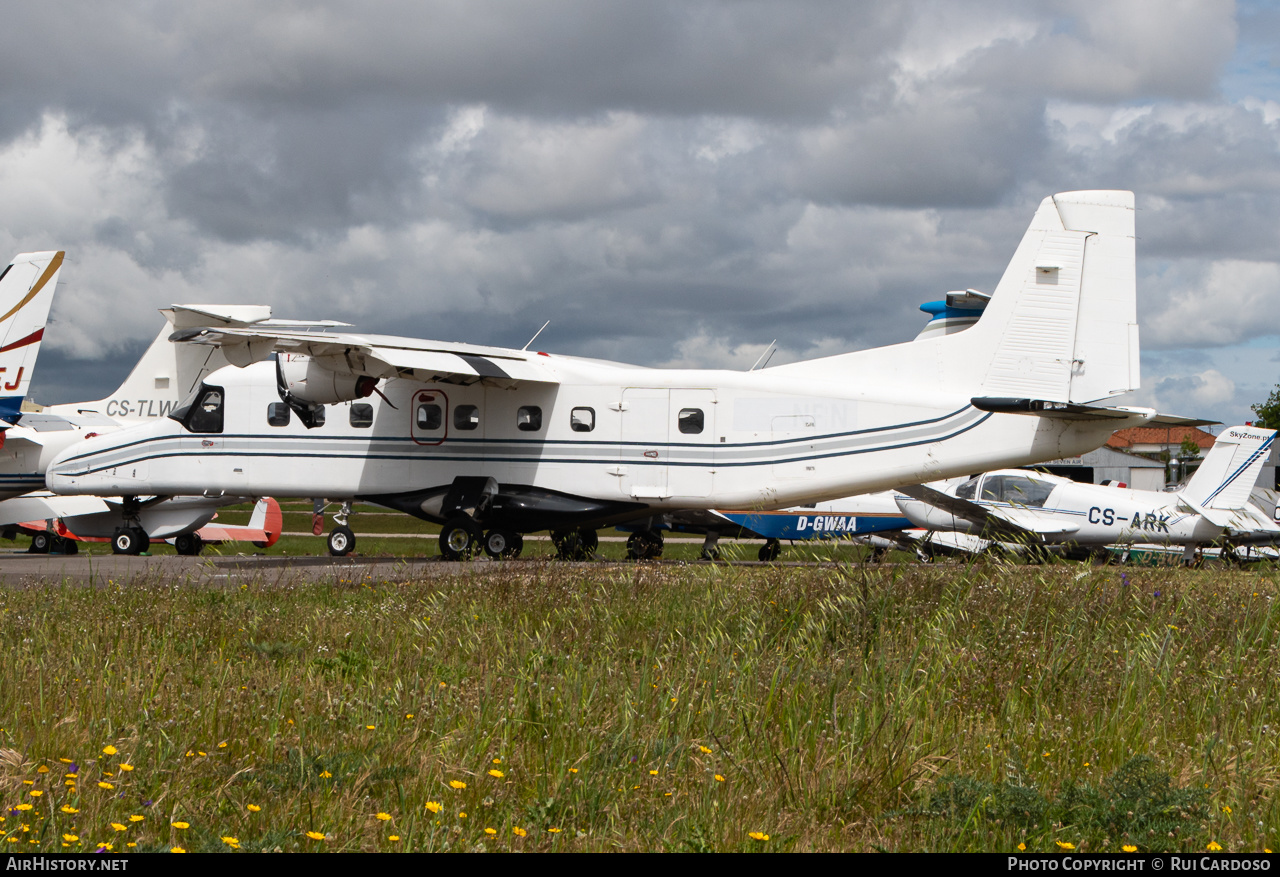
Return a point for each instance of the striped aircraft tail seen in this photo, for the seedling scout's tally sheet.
(1230, 469)
(26, 293)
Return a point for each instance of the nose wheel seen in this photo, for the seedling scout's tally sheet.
(341, 541)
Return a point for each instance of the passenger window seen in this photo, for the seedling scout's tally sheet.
(278, 414)
(317, 416)
(466, 417)
(430, 416)
(690, 421)
(582, 419)
(529, 418)
(206, 413)
(361, 415)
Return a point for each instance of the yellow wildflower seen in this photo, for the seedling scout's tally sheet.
(518, 831)
(457, 784)
(233, 842)
(433, 806)
(1065, 846)
(253, 808)
(67, 808)
(126, 767)
(1213, 846)
(573, 770)
(315, 835)
(384, 816)
(223, 745)
(180, 824)
(394, 836)
(135, 818)
(719, 778)
(70, 838)
(1226, 809)
(704, 750)
(176, 850)
(42, 769)
(105, 785)
(369, 727)
(553, 830)
(1022, 847)
(36, 793)
(1129, 848)
(22, 807)
(108, 750)
(118, 827)
(653, 773)
(491, 831)
(497, 773)
(324, 774)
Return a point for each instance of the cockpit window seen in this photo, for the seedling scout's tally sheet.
(1017, 490)
(204, 415)
(966, 490)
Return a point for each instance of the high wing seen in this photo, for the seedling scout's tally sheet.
(378, 356)
(994, 522)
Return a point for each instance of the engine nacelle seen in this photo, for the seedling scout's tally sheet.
(305, 380)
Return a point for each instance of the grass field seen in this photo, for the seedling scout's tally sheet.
(548, 706)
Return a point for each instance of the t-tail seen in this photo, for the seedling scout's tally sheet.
(1230, 469)
(26, 293)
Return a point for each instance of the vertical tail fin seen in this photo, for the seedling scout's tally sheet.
(1230, 469)
(26, 293)
(1065, 310)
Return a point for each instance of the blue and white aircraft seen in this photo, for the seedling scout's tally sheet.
(495, 442)
(1032, 508)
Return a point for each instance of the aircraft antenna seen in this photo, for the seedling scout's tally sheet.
(535, 335)
(768, 352)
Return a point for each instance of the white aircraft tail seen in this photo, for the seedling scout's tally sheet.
(26, 293)
(1061, 325)
(1230, 470)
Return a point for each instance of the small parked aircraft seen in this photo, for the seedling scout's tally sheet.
(494, 442)
(1039, 509)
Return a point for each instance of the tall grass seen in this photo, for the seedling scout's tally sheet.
(636, 707)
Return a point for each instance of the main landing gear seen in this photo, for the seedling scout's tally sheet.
(644, 545)
(580, 544)
(188, 544)
(49, 542)
(461, 538)
(769, 551)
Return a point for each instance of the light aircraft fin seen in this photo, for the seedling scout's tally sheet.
(26, 293)
(1230, 469)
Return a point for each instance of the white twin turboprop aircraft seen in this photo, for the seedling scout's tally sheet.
(1032, 508)
(493, 442)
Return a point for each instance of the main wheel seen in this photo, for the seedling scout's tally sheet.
(503, 544)
(710, 554)
(40, 543)
(342, 541)
(62, 545)
(460, 538)
(769, 551)
(644, 545)
(129, 540)
(588, 542)
(188, 544)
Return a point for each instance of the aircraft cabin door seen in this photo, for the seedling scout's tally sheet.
(644, 446)
(693, 437)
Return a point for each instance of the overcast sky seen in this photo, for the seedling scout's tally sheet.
(670, 183)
